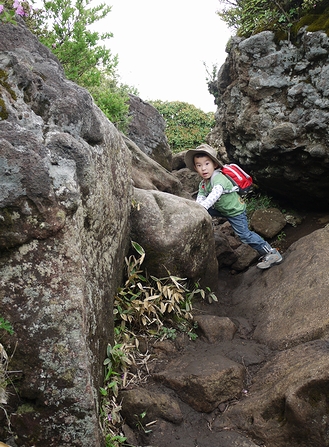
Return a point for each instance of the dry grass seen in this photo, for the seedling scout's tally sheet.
(3, 369)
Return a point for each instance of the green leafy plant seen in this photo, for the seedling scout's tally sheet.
(67, 28)
(3, 380)
(150, 307)
(6, 326)
(9, 9)
(258, 201)
(112, 423)
(140, 423)
(116, 363)
(280, 240)
(281, 237)
(112, 440)
(205, 294)
(4, 361)
(186, 125)
(253, 16)
(167, 333)
(145, 302)
(113, 99)
(188, 329)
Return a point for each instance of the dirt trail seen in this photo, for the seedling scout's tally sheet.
(198, 429)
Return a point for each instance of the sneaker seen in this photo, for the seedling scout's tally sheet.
(270, 259)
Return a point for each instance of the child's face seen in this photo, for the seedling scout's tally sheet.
(204, 166)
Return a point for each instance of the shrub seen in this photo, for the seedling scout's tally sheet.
(65, 27)
(253, 16)
(186, 126)
(145, 302)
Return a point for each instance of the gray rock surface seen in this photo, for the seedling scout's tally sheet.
(148, 174)
(177, 236)
(272, 114)
(203, 379)
(64, 209)
(295, 310)
(147, 130)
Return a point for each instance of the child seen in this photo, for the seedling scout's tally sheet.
(215, 196)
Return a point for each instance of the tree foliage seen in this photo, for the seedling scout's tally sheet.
(113, 99)
(186, 125)
(66, 27)
(253, 16)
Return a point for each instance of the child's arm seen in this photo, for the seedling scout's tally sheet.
(212, 198)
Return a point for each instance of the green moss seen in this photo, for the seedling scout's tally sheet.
(280, 35)
(25, 408)
(68, 377)
(321, 24)
(8, 217)
(3, 111)
(314, 22)
(5, 217)
(6, 85)
(3, 82)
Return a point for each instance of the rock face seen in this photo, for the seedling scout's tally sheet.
(149, 174)
(147, 130)
(177, 236)
(295, 312)
(203, 382)
(286, 405)
(64, 208)
(272, 115)
(268, 222)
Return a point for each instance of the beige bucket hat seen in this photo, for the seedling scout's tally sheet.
(202, 149)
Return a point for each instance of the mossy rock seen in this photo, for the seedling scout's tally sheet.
(6, 85)
(314, 22)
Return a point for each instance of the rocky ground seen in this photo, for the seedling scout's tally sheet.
(310, 223)
(185, 421)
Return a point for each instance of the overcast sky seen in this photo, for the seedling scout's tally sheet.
(162, 45)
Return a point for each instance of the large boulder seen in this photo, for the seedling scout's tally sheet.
(177, 236)
(287, 403)
(273, 111)
(203, 381)
(147, 130)
(295, 310)
(148, 174)
(64, 209)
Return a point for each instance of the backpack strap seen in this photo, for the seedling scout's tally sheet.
(234, 189)
(226, 191)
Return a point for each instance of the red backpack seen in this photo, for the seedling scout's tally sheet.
(238, 177)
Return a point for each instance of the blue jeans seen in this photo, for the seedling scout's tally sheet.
(239, 224)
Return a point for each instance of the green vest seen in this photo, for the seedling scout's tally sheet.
(229, 204)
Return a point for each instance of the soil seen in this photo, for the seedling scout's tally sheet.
(199, 429)
(310, 222)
